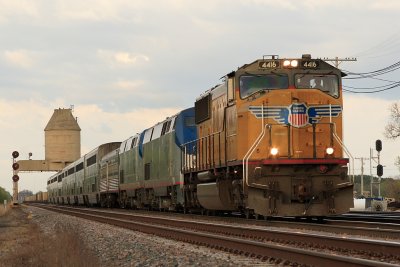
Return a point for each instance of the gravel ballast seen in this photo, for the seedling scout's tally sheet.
(114, 246)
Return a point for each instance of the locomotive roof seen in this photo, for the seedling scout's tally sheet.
(306, 62)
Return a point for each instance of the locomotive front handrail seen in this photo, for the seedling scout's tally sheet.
(347, 151)
(207, 158)
(248, 155)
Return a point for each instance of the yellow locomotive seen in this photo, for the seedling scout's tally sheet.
(269, 142)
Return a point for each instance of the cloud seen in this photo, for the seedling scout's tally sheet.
(391, 5)
(131, 86)
(127, 58)
(121, 58)
(18, 10)
(286, 4)
(19, 58)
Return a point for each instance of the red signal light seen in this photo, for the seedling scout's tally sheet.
(15, 154)
(15, 178)
(15, 166)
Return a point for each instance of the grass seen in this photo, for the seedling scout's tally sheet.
(3, 209)
(64, 249)
(24, 244)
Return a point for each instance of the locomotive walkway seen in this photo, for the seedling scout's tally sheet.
(260, 242)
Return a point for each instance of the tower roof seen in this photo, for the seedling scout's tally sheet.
(62, 119)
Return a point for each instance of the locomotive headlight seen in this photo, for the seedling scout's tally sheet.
(329, 150)
(290, 63)
(274, 151)
(294, 63)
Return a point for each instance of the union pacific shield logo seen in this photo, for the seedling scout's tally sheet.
(297, 114)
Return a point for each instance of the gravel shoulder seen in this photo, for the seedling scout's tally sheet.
(32, 236)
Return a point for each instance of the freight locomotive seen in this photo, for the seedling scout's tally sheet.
(267, 141)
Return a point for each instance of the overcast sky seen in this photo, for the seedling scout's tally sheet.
(125, 65)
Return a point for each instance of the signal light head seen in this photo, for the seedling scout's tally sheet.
(378, 145)
(15, 178)
(379, 170)
(15, 154)
(15, 166)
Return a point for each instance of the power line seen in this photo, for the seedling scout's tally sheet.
(385, 47)
(371, 92)
(372, 75)
(372, 88)
(363, 75)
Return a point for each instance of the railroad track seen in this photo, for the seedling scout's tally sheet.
(343, 227)
(260, 242)
(376, 218)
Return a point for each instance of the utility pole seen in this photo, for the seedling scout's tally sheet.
(337, 60)
(362, 174)
(372, 158)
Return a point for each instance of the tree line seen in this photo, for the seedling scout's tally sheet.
(4, 195)
(390, 187)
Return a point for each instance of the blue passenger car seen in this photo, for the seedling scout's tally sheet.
(150, 163)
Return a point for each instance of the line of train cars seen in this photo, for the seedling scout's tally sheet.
(267, 141)
(38, 197)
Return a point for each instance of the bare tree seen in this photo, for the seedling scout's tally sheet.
(392, 129)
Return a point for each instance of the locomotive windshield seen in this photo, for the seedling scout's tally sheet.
(250, 84)
(323, 82)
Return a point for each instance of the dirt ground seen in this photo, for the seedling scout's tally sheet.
(23, 243)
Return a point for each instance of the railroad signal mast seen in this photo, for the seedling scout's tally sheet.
(379, 167)
(15, 177)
